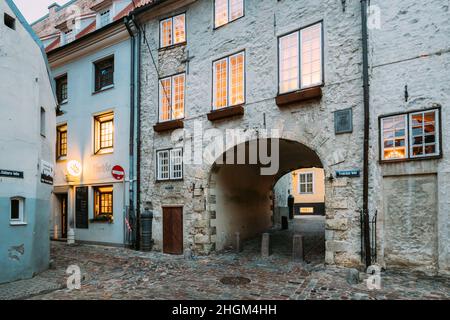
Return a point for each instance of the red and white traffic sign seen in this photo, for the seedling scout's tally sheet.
(118, 172)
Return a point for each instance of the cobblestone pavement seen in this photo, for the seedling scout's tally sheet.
(117, 273)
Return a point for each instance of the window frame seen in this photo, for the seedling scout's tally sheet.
(439, 143)
(215, 27)
(97, 132)
(97, 202)
(227, 58)
(43, 122)
(172, 93)
(62, 77)
(306, 183)
(21, 219)
(322, 43)
(102, 13)
(60, 156)
(172, 31)
(170, 165)
(9, 21)
(97, 71)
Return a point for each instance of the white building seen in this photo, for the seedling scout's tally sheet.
(92, 72)
(27, 119)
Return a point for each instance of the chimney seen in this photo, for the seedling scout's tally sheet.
(52, 9)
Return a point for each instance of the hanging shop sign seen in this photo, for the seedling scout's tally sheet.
(74, 168)
(348, 174)
(11, 174)
(47, 172)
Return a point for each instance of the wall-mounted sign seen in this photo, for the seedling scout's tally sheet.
(82, 207)
(348, 174)
(343, 121)
(118, 172)
(74, 168)
(11, 174)
(47, 172)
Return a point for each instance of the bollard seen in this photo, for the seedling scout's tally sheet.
(146, 227)
(238, 245)
(70, 236)
(297, 248)
(265, 245)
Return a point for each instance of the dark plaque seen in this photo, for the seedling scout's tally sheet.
(81, 208)
(11, 174)
(343, 121)
(348, 174)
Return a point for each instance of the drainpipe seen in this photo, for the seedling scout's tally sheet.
(366, 226)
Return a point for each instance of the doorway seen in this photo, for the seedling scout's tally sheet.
(173, 230)
(63, 198)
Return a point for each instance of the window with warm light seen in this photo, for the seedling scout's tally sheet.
(61, 142)
(410, 136)
(103, 203)
(306, 183)
(104, 133)
(104, 74)
(169, 164)
(171, 97)
(61, 89)
(173, 30)
(300, 59)
(226, 11)
(229, 81)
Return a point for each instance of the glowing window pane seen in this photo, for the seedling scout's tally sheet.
(220, 84)
(236, 9)
(166, 32)
(178, 97)
(165, 99)
(289, 62)
(179, 29)
(221, 12)
(237, 79)
(311, 48)
(394, 137)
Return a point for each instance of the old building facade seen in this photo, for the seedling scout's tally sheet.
(27, 117)
(287, 73)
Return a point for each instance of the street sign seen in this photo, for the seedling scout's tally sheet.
(118, 172)
(11, 174)
(348, 174)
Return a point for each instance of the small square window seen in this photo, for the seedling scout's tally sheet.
(104, 74)
(103, 203)
(17, 215)
(61, 89)
(9, 21)
(169, 164)
(61, 142)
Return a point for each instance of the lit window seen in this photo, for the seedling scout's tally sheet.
(104, 74)
(307, 210)
(306, 183)
(103, 203)
(61, 141)
(61, 89)
(171, 98)
(229, 81)
(226, 11)
(104, 133)
(173, 30)
(169, 164)
(423, 133)
(17, 215)
(412, 135)
(394, 137)
(301, 59)
(105, 18)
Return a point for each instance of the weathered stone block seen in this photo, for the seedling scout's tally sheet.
(329, 257)
(337, 246)
(265, 245)
(339, 203)
(202, 238)
(337, 224)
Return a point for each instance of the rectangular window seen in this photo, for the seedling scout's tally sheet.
(171, 98)
(300, 59)
(229, 81)
(410, 136)
(42, 122)
(226, 11)
(61, 89)
(169, 164)
(17, 210)
(61, 142)
(105, 18)
(104, 74)
(103, 203)
(104, 133)
(9, 21)
(69, 36)
(306, 183)
(173, 31)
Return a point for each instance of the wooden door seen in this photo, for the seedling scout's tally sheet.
(173, 230)
(63, 202)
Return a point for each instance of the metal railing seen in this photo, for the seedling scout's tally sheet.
(372, 236)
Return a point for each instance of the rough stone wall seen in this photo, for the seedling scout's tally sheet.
(411, 47)
(310, 123)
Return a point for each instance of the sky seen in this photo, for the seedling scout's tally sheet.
(34, 9)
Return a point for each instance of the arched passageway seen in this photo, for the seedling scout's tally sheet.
(243, 195)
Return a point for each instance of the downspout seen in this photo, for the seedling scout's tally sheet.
(366, 85)
(138, 177)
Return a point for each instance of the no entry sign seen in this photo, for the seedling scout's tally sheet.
(118, 173)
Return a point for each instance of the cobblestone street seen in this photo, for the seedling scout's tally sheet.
(117, 273)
